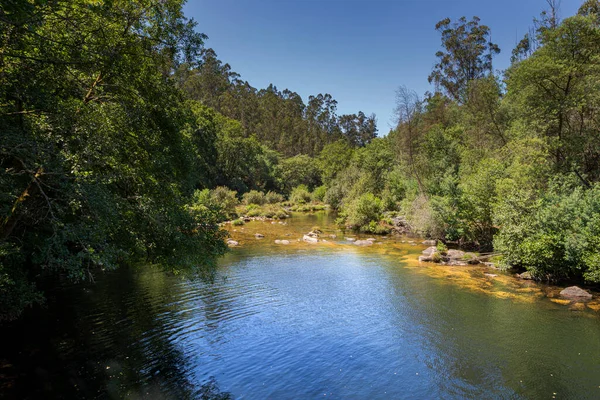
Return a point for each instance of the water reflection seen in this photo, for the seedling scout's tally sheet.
(303, 321)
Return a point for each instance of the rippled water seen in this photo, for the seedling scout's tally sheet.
(305, 321)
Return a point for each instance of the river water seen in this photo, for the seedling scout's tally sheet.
(306, 321)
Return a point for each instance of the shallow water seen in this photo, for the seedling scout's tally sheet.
(327, 320)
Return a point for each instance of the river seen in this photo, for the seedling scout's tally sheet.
(306, 321)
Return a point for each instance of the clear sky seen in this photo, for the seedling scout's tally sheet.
(358, 51)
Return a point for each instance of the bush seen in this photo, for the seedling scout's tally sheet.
(555, 237)
(319, 193)
(367, 208)
(254, 197)
(273, 198)
(226, 199)
(237, 222)
(300, 195)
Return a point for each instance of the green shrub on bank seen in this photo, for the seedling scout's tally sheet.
(318, 195)
(556, 237)
(254, 197)
(273, 198)
(363, 211)
(300, 195)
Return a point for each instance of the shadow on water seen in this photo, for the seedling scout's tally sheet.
(112, 339)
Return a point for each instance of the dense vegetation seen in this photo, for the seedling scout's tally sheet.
(124, 139)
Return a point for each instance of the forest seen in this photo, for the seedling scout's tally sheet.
(125, 140)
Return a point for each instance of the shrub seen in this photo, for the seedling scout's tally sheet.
(237, 222)
(362, 211)
(300, 195)
(319, 193)
(254, 197)
(441, 247)
(273, 198)
(226, 199)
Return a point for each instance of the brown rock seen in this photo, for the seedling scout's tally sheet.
(575, 292)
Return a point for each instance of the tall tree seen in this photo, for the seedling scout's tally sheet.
(467, 55)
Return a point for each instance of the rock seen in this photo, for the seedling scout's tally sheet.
(412, 242)
(575, 292)
(429, 242)
(490, 265)
(371, 239)
(455, 254)
(259, 235)
(350, 239)
(310, 239)
(282, 242)
(456, 263)
(526, 275)
(429, 251)
(363, 243)
(471, 258)
(313, 234)
(333, 236)
(490, 275)
(232, 243)
(425, 259)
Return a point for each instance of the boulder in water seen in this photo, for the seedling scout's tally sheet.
(364, 243)
(310, 239)
(282, 242)
(575, 292)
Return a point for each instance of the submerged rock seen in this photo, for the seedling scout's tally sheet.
(490, 275)
(575, 292)
(259, 235)
(364, 243)
(310, 239)
(282, 242)
(232, 243)
(350, 239)
(429, 242)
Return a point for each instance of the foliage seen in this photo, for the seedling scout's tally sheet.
(298, 170)
(100, 152)
(300, 195)
(363, 211)
(273, 198)
(467, 56)
(254, 197)
(319, 193)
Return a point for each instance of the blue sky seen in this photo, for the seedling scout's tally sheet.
(358, 51)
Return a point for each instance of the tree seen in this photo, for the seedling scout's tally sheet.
(467, 55)
(97, 156)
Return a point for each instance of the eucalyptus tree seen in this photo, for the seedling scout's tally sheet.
(467, 55)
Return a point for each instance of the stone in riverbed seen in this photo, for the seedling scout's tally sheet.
(232, 243)
(259, 235)
(455, 254)
(350, 239)
(574, 292)
(282, 242)
(363, 242)
(310, 239)
(429, 242)
(429, 251)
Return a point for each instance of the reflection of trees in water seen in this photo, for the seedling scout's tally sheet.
(113, 339)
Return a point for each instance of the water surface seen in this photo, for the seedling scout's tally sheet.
(330, 320)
